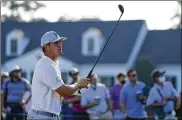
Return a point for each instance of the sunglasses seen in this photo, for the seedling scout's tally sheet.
(134, 75)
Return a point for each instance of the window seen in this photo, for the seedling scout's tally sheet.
(92, 41)
(90, 45)
(172, 79)
(14, 45)
(107, 80)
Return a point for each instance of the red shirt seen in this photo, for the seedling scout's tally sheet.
(76, 105)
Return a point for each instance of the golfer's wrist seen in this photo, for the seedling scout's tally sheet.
(77, 86)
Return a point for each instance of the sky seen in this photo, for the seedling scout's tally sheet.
(156, 13)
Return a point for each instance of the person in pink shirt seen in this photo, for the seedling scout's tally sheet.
(78, 112)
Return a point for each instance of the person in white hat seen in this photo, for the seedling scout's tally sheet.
(73, 101)
(47, 84)
(13, 89)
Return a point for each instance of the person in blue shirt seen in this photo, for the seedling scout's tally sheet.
(131, 105)
(96, 99)
(13, 91)
(162, 96)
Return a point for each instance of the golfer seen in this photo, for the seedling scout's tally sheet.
(47, 84)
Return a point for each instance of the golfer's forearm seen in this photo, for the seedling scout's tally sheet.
(122, 106)
(67, 90)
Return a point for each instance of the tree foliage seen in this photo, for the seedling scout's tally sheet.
(144, 68)
(15, 6)
(177, 15)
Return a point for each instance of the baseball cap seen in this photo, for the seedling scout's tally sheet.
(49, 37)
(157, 73)
(73, 71)
(14, 68)
(4, 74)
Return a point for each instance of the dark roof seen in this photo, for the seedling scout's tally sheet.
(117, 51)
(162, 47)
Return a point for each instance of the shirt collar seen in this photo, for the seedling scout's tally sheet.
(130, 83)
(50, 60)
(159, 86)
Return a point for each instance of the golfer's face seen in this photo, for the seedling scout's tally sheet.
(56, 48)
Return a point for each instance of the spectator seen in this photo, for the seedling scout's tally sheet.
(4, 76)
(162, 96)
(115, 92)
(13, 90)
(96, 99)
(132, 105)
(179, 108)
(74, 100)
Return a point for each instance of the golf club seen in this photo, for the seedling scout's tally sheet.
(121, 8)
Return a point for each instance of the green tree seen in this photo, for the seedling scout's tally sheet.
(15, 6)
(90, 19)
(144, 68)
(177, 15)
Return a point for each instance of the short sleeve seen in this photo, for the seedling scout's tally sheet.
(107, 93)
(4, 86)
(151, 98)
(27, 85)
(123, 95)
(175, 93)
(52, 78)
(112, 94)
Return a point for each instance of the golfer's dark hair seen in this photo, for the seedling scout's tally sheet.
(130, 70)
(120, 75)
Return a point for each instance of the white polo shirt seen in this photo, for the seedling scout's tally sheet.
(46, 79)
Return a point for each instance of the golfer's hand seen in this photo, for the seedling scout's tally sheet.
(83, 82)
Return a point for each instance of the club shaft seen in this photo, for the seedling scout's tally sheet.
(90, 73)
(105, 44)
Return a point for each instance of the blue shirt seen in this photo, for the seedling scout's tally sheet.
(167, 90)
(90, 95)
(16, 89)
(128, 95)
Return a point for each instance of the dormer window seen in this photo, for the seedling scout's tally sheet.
(92, 41)
(14, 46)
(16, 42)
(90, 45)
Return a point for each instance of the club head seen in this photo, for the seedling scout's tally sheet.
(121, 8)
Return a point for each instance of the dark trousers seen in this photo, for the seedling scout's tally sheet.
(81, 116)
(15, 111)
(135, 118)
